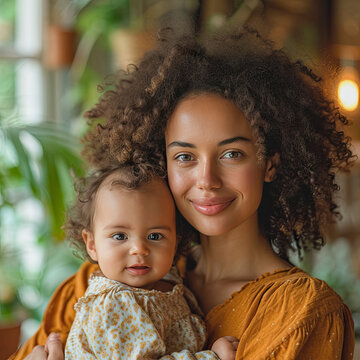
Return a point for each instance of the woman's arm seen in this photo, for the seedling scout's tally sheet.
(59, 314)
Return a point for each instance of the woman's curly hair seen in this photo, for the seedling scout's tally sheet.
(284, 102)
(80, 215)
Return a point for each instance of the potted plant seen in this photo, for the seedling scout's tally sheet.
(122, 24)
(12, 311)
(114, 33)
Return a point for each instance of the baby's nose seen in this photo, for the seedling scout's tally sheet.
(139, 248)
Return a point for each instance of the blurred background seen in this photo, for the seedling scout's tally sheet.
(54, 53)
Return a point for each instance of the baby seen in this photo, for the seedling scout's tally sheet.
(136, 306)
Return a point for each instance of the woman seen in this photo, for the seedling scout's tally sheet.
(251, 146)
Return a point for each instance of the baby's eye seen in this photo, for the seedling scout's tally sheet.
(233, 155)
(155, 236)
(184, 157)
(119, 236)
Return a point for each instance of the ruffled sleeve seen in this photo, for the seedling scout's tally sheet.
(324, 337)
(305, 319)
(285, 315)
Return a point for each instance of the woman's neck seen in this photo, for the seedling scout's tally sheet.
(242, 254)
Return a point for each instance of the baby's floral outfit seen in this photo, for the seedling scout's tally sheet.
(116, 321)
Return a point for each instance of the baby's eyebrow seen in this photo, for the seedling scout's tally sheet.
(161, 227)
(118, 227)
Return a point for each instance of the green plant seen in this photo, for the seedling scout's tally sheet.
(108, 15)
(45, 175)
(35, 173)
(11, 308)
(96, 23)
(7, 8)
(7, 81)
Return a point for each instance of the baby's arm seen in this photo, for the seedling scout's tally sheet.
(188, 355)
(225, 347)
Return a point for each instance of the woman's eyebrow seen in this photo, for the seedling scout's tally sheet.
(221, 143)
(181, 144)
(234, 139)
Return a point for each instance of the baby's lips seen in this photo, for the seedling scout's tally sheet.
(138, 269)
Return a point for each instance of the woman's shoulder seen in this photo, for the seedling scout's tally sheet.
(301, 311)
(80, 280)
(286, 311)
(283, 293)
(292, 276)
(289, 314)
(293, 282)
(295, 290)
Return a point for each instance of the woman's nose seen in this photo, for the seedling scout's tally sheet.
(208, 177)
(138, 247)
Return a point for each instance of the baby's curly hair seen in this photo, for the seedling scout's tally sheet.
(284, 101)
(80, 215)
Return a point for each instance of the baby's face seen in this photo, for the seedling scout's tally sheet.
(134, 233)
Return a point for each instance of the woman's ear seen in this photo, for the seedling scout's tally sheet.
(271, 166)
(89, 241)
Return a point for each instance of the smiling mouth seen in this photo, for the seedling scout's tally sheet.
(138, 270)
(211, 209)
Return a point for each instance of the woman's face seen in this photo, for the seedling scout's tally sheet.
(214, 173)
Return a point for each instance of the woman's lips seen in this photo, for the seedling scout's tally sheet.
(211, 206)
(138, 269)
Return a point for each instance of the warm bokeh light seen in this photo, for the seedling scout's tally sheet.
(348, 93)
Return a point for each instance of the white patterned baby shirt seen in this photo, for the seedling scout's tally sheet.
(116, 321)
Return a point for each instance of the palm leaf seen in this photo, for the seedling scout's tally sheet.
(47, 176)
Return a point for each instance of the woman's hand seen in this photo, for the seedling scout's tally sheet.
(225, 347)
(51, 351)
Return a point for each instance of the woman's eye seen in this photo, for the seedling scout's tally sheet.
(184, 157)
(233, 155)
(155, 236)
(119, 236)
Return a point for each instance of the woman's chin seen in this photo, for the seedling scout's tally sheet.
(212, 228)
